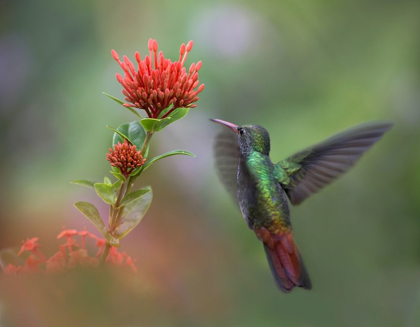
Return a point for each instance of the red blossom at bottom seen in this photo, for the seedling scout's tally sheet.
(71, 254)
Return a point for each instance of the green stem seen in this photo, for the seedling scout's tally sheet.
(146, 141)
(104, 254)
(115, 212)
(130, 184)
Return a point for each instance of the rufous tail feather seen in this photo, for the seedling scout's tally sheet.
(285, 261)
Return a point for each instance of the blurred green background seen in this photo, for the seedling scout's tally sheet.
(302, 69)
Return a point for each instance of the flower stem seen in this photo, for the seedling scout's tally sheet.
(104, 254)
(115, 211)
(130, 184)
(146, 142)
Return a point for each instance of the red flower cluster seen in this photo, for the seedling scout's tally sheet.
(125, 157)
(168, 83)
(70, 255)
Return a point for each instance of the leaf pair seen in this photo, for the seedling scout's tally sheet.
(136, 205)
(156, 125)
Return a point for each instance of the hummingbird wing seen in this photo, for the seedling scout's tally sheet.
(308, 171)
(227, 154)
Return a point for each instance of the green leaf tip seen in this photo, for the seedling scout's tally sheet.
(156, 125)
(83, 182)
(134, 213)
(122, 103)
(133, 131)
(133, 196)
(108, 192)
(91, 213)
(167, 154)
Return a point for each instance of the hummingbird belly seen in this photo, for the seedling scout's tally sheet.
(261, 198)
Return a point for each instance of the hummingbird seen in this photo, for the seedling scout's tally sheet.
(261, 187)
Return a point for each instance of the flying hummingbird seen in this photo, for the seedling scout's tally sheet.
(262, 188)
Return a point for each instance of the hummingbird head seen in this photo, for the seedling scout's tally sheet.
(250, 137)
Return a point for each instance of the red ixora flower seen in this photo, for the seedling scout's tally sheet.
(168, 83)
(70, 255)
(125, 157)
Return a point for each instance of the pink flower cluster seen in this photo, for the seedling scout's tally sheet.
(71, 254)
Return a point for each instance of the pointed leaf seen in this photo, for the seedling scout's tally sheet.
(107, 192)
(167, 154)
(107, 181)
(134, 132)
(91, 213)
(123, 136)
(122, 103)
(164, 111)
(156, 125)
(134, 196)
(134, 213)
(118, 175)
(150, 124)
(137, 170)
(83, 182)
(177, 114)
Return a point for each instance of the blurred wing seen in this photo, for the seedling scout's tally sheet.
(226, 152)
(312, 169)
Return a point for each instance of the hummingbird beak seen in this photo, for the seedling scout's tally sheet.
(233, 127)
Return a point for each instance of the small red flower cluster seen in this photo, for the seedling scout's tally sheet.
(70, 255)
(168, 83)
(125, 157)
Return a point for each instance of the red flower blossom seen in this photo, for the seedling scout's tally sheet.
(70, 255)
(57, 263)
(125, 157)
(67, 233)
(114, 257)
(32, 264)
(168, 83)
(12, 269)
(130, 262)
(31, 245)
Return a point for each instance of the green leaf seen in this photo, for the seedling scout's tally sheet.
(107, 181)
(133, 131)
(177, 114)
(167, 154)
(83, 182)
(134, 213)
(108, 192)
(118, 175)
(134, 196)
(91, 213)
(156, 125)
(123, 136)
(136, 171)
(121, 103)
(164, 111)
(150, 124)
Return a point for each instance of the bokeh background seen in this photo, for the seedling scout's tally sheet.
(302, 69)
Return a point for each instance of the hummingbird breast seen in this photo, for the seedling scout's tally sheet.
(261, 198)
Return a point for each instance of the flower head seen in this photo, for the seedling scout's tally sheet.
(29, 245)
(158, 82)
(70, 255)
(125, 157)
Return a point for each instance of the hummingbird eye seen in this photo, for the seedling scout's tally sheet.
(241, 131)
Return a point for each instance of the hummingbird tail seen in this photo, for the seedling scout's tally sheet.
(286, 262)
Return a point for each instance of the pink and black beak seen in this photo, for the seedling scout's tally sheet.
(233, 127)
